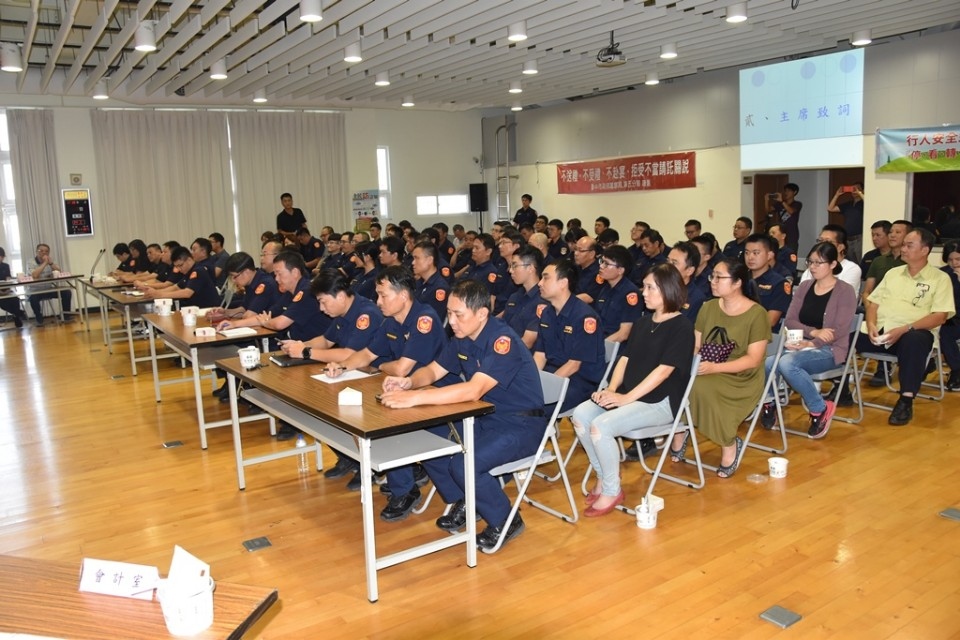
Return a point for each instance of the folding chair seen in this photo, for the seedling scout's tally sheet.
(891, 358)
(524, 469)
(682, 421)
(849, 368)
(610, 351)
(775, 348)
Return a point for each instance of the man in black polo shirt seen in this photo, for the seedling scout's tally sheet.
(197, 285)
(290, 220)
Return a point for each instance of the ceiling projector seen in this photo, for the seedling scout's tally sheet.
(611, 56)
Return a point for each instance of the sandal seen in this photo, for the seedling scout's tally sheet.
(679, 455)
(731, 469)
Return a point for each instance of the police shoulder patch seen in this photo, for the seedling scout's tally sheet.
(590, 325)
(424, 324)
(502, 345)
(632, 298)
(260, 288)
(441, 295)
(787, 287)
(492, 277)
(193, 274)
(540, 308)
(298, 297)
(363, 321)
(599, 279)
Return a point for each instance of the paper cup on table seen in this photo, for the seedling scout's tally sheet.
(794, 335)
(163, 306)
(189, 319)
(187, 606)
(778, 467)
(185, 310)
(249, 357)
(56, 274)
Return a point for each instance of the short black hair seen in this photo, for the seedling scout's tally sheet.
(217, 237)
(330, 282)
(927, 237)
(839, 230)
(441, 226)
(693, 223)
(180, 253)
(652, 235)
(566, 270)
(608, 236)
(620, 255)
(792, 187)
(604, 219)
(203, 243)
(429, 249)
(292, 260)
(120, 248)
(557, 223)
(285, 195)
(762, 238)
(238, 262)
(747, 221)
(393, 244)
(529, 254)
(473, 294)
(368, 249)
(527, 196)
(398, 278)
(885, 224)
(690, 253)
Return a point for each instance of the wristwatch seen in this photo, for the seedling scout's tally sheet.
(306, 352)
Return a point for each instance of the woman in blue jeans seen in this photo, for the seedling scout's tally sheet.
(646, 385)
(823, 308)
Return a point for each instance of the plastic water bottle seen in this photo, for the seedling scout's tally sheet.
(303, 465)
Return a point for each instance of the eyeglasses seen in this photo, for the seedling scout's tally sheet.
(266, 253)
(179, 264)
(517, 265)
(810, 263)
(578, 250)
(713, 277)
(604, 264)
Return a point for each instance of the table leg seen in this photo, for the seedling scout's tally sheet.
(470, 491)
(366, 505)
(235, 425)
(153, 362)
(198, 391)
(129, 323)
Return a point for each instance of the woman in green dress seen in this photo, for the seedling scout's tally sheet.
(724, 393)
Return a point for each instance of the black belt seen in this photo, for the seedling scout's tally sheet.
(532, 413)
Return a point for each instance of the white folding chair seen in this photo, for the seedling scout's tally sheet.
(775, 348)
(682, 421)
(610, 351)
(849, 368)
(524, 469)
(891, 359)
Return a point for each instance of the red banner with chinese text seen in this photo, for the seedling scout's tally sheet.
(637, 173)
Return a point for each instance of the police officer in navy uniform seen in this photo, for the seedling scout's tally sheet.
(410, 337)
(197, 285)
(557, 248)
(741, 229)
(618, 303)
(366, 257)
(496, 369)
(588, 282)
(773, 288)
(570, 342)
(685, 257)
(311, 248)
(786, 260)
(654, 249)
(483, 269)
(431, 288)
(444, 246)
(523, 308)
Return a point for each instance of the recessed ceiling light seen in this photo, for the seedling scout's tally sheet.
(737, 12)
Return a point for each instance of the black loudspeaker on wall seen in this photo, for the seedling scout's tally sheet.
(478, 197)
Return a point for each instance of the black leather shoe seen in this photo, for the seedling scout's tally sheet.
(420, 477)
(631, 454)
(286, 432)
(488, 539)
(224, 390)
(355, 482)
(902, 412)
(343, 467)
(399, 507)
(879, 379)
(456, 519)
(845, 399)
(648, 447)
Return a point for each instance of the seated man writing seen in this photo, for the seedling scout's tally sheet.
(498, 369)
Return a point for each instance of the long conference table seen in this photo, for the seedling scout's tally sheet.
(16, 288)
(41, 598)
(378, 437)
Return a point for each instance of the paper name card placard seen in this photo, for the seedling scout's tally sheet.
(122, 579)
(350, 397)
(205, 332)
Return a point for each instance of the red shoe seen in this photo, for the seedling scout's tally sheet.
(591, 498)
(592, 512)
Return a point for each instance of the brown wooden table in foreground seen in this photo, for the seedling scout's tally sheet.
(40, 597)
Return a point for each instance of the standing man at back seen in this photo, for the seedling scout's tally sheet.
(290, 219)
(525, 214)
(852, 212)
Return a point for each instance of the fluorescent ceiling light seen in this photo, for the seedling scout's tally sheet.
(517, 32)
(352, 53)
(310, 11)
(218, 70)
(145, 39)
(737, 12)
(861, 38)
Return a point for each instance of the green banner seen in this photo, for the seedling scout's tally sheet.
(918, 150)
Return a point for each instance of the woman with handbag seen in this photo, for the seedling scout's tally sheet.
(646, 385)
(732, 333)
(823, 308)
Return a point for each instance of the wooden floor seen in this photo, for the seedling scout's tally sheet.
(851, 540)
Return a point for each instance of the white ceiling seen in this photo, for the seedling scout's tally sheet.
(448, 54)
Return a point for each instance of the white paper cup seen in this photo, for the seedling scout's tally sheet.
(794, 335)
(56, 274)
(186, 614)
(164, 306)
(778, 467)
(646, 517)
(185, 310)
(249, 357)
(189, 319)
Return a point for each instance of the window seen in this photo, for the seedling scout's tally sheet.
(443, 205)
(383, 180)
(11, 227)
